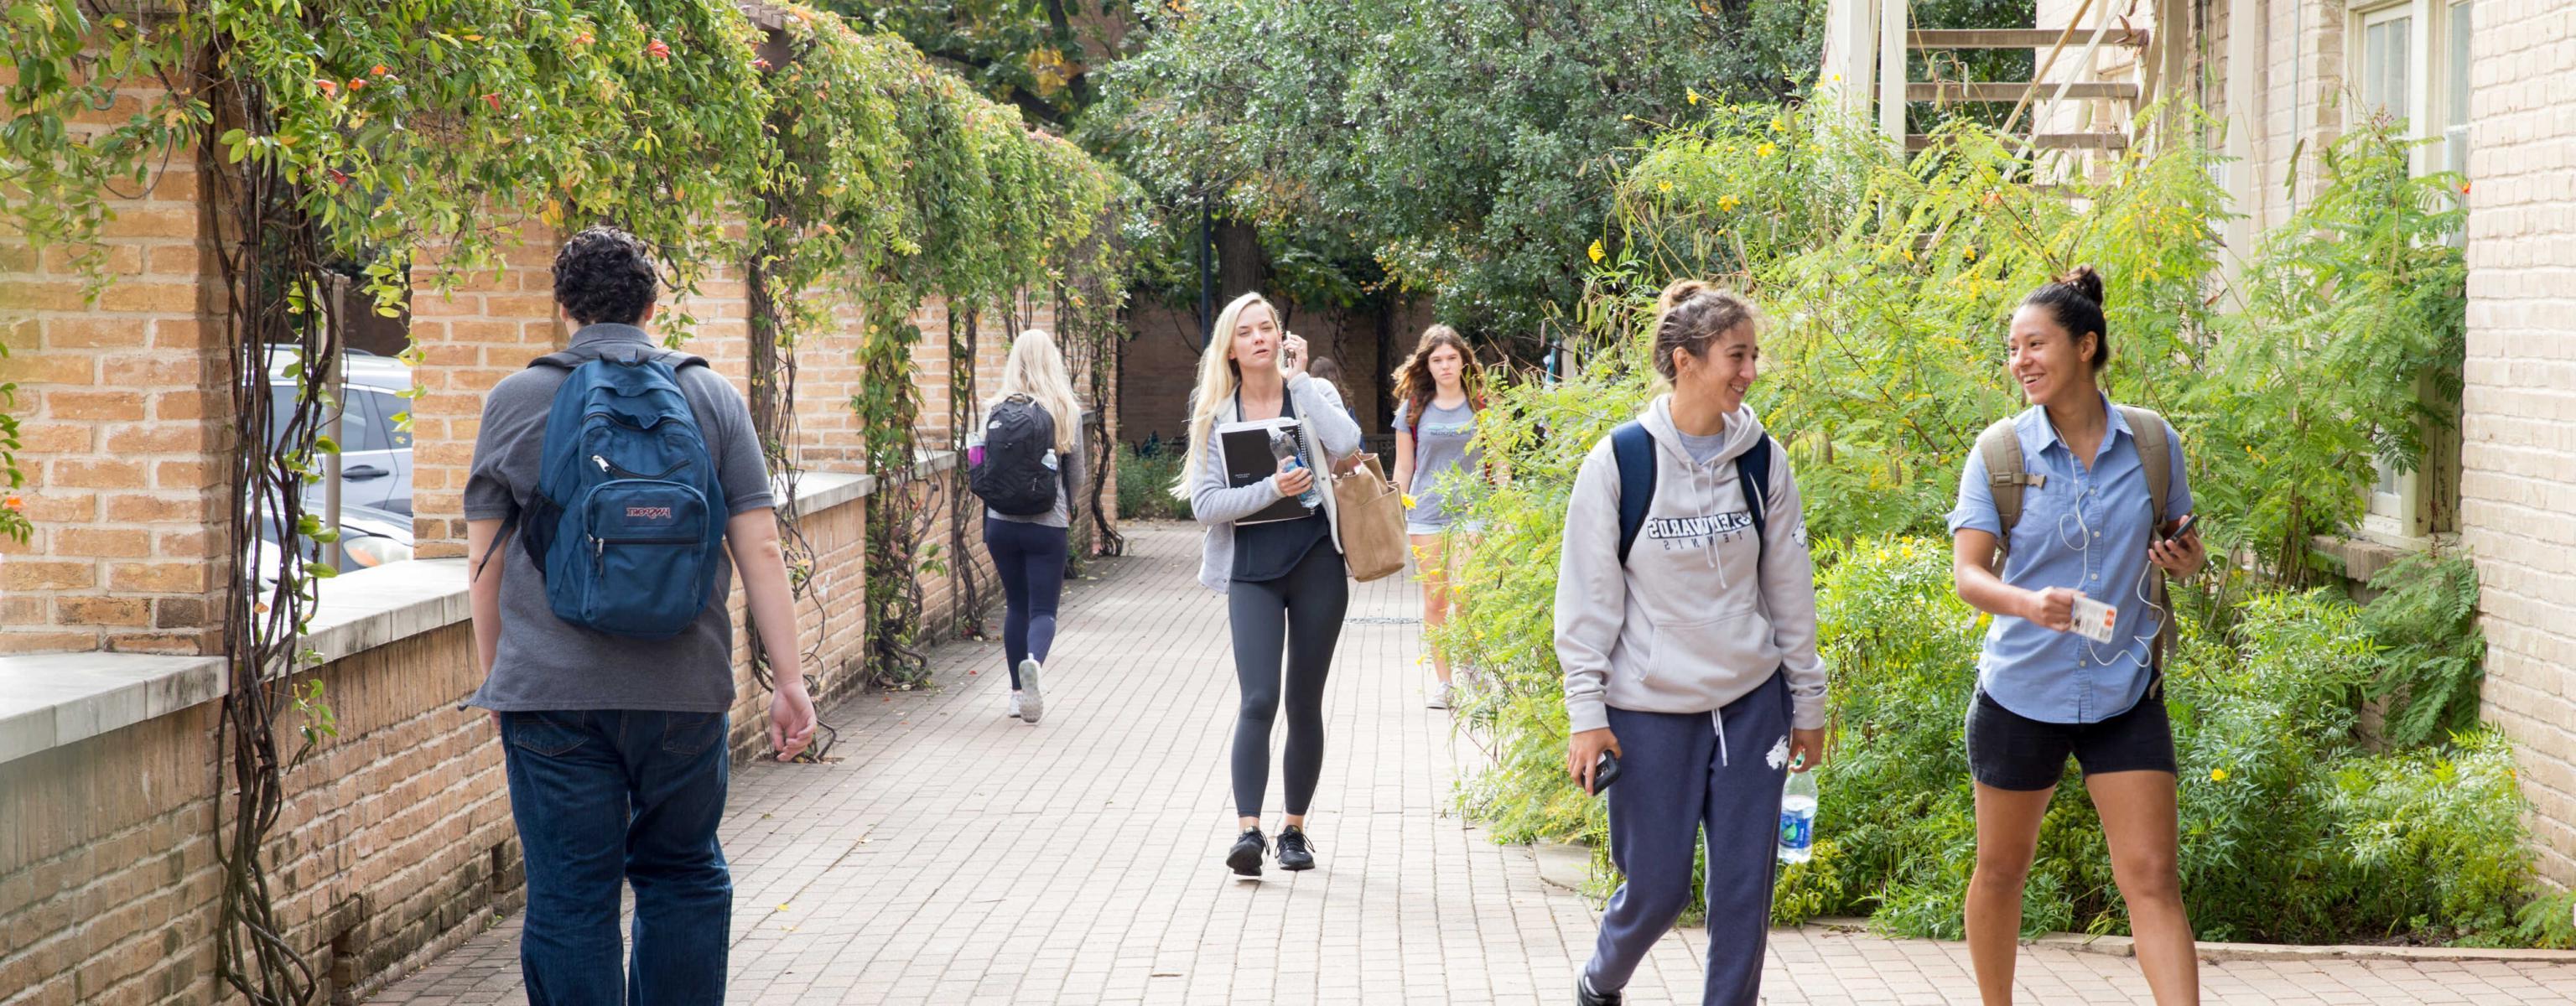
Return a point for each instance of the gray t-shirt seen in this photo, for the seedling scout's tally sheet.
(544, 664)
(1701, 449)
(1439, 445)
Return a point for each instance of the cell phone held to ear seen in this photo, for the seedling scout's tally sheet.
(1605, 770)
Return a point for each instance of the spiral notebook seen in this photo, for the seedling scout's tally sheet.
(1252, 451)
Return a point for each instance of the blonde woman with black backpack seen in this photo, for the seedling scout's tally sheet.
(1028, 462)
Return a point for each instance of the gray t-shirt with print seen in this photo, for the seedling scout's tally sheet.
(1440, 445)
(542, 663)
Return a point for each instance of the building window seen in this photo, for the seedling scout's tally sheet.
(2409, 60)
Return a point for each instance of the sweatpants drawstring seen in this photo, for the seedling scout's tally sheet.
(1723, 759)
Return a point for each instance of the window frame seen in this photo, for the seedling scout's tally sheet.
(2405, 515)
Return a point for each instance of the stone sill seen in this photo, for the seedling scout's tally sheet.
(50, 700)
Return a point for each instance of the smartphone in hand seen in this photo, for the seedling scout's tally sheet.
(1605, 770)
(2188, 521)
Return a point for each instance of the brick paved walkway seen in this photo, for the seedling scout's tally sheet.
(960, 857)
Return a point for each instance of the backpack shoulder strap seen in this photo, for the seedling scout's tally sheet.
(1634, 449)
(2000, 447)
(1753, 469)
(2155, 455)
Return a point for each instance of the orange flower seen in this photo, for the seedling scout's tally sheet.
(330, 87)
(378, 70)
(657, 50)
(357, 83)
(13, 502)
(493, 100)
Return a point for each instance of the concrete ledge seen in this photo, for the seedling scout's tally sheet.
(49, 700)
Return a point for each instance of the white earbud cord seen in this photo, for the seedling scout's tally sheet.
(2084, 546)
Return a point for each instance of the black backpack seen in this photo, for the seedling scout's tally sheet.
(1014, 478)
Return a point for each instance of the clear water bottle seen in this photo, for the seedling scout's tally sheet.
(1286, 448)
(1798, 818)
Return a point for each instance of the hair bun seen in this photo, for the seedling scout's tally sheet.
(1681, 290)
(2085, 281)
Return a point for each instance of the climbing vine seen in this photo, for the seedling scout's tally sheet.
(354, 152)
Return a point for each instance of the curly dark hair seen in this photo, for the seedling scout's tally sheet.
(605, 275)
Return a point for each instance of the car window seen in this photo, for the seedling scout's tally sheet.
(362, 425)
(387, 406)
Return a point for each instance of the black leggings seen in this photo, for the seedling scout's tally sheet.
(1030, 559)
(1302, 614)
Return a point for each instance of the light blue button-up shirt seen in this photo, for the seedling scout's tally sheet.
(2088, 530)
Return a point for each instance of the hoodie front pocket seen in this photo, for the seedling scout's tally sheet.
(1687, 651)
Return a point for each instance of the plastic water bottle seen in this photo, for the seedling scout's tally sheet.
(1288, 462)
(1798, 818)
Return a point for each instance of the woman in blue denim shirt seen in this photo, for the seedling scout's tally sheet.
(2086, 530)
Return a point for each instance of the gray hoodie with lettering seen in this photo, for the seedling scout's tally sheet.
(1699, 616)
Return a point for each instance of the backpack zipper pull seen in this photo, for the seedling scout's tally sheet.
(600, 461)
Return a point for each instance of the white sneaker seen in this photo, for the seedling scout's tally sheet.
(1035, 703)
(1015, 704)
(1439, 695)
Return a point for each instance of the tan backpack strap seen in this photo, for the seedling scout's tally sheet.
(2155, 456)
(2000, 447)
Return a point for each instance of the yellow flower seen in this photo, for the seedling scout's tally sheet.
(1694, 95)
(1969, 253)
(2218, 775)
(1766, 149)
(1779, 125)
(1663, 186)
(1597, 251)
(1726, 203)
(1909, 254)
(1408, 500)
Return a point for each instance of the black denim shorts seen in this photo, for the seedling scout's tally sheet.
(2007, 750)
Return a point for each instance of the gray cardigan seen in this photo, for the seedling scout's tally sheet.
(1219, 506)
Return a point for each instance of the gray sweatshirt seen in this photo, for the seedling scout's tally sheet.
(1698, 617)
(1328, 427)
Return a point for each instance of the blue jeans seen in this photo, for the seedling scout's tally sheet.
(604, 796)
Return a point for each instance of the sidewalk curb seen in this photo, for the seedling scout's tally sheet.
(2122, 946)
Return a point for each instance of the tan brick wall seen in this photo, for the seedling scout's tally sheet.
(125, 475)
(1158, 369)
(2518, 484)
(108, 878)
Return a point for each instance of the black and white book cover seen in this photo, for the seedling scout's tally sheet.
(1257, 449)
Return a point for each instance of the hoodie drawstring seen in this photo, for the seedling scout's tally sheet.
(1714, 716)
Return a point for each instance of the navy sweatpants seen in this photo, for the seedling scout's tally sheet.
(1682, 774)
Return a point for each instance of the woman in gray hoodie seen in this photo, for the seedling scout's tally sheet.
(1687, 630)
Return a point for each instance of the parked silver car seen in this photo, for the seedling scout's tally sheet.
(375, 456)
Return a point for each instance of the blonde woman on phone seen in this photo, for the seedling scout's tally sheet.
(1285, 585)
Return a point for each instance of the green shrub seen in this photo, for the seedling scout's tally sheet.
(1145, 483)
(2431, 657)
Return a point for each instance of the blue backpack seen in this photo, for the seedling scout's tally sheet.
(629, 515)
(1634, 449)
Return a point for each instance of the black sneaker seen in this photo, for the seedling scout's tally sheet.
(1584, 996)
(1294, 853)
(1245, 857)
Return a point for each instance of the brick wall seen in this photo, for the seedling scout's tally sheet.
(1158, 368)
(125, 472)
(2518, 482)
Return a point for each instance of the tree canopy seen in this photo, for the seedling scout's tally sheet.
(1468, 150)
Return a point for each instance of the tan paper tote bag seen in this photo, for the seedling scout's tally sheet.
(1372, 522)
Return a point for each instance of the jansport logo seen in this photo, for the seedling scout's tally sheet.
(648, 513)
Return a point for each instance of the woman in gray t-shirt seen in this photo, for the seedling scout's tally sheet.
(1438, 392)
